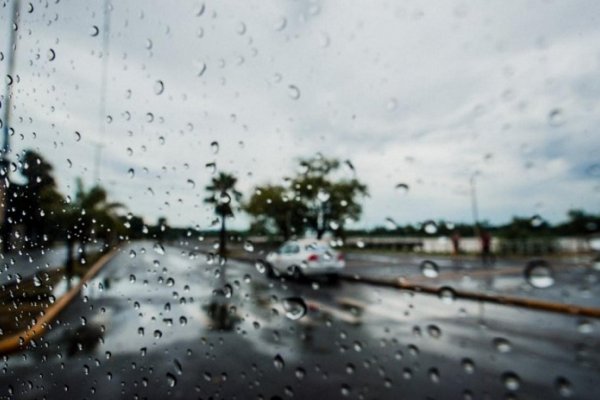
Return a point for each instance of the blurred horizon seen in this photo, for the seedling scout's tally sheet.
(442, 100)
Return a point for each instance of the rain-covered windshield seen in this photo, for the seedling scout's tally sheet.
(299, 199)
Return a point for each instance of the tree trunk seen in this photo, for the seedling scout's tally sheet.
(222, 237)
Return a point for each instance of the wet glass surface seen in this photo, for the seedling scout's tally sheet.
(299, 199)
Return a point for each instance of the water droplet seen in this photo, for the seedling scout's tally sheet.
(224, 198)
(511, 381)
(159, 87)
(132, 254)
(178, 367)
(429, 269)
(294, 92)
(51, 55)
(170, 281)
(260, 266)
(278, 362)
(214, 147)
(77, 136)
(157, 334)
(94, 31)
(402, 188)
(171, 380)
(228, 290)
(323, 195)
(563, 386)
(295, 308)
(447, 294)
(468, 365)
(248, 246)
(556, 117)
(211, 166)
(345, 390)
(158, 248)
(201, 65)
(390, 224)
(434, 331)
(585, 327)
(434, 375)
(430, 227)
(131, 173)
(280, 24)
(131, 278)
(539, 274)
(37, 281)
(183, 320)
(502, 345)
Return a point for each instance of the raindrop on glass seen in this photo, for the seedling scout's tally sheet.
(294, 92)
(556, 117)
(539, 274)
(295, 308)
(278, 362)
(171, 380)
(402, 188)
(429, 269)
(159, 87)
(511, 381)
(248, 246)
(158, 248)
(502, 345)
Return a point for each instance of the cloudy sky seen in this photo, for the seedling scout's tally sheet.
(421, 93)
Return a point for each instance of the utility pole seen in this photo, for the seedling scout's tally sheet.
(97, 157)
(103, 85)
(474, 206)
(5, 229)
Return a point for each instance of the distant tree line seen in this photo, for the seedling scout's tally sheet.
(318, 197)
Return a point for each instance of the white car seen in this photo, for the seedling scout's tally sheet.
(305, 257)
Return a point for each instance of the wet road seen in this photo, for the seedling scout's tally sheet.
(167, 325)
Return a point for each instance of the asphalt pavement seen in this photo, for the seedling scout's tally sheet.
(159, 322)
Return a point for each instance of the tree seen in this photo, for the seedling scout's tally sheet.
(318, 198)
(222, 192)
(89, 215)
(32, 203)
(331, 201)
(274, 209)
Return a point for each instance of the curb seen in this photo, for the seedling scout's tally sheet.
(535, 304)
(18, 341)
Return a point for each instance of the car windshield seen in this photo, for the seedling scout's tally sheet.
(300, 199)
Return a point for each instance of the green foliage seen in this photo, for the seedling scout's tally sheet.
(222, 193)
(316, 199)
(273, 210)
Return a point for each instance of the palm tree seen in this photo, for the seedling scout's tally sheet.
(222, 192)
(89, 215)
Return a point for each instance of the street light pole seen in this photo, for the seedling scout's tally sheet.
(4, 162)
(474, 207)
